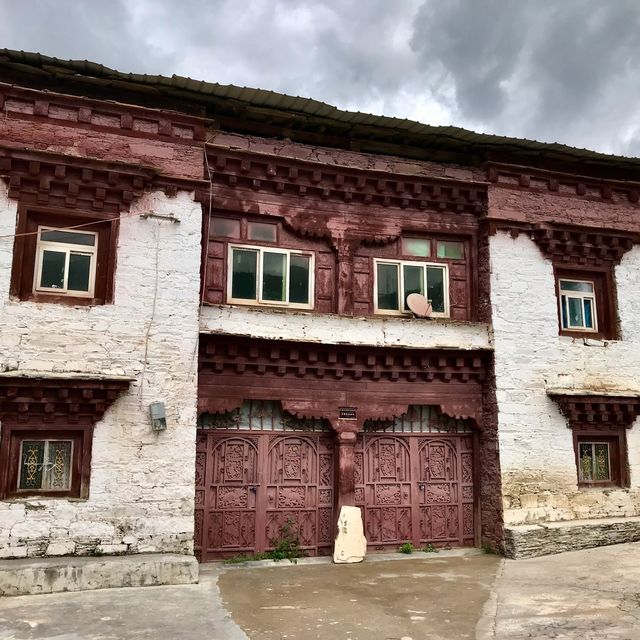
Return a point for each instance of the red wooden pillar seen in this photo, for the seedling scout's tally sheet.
(346, 250)
(346, 489)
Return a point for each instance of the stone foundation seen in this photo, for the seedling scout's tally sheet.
(53, 575)
(529, 541)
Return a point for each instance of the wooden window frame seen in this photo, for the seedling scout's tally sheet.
(401, 263)
(605, 317)
(260, 250)
(25, 254)
(616, 439)
(10, 446)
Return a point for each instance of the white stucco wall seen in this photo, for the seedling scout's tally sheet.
(274, 324)
(539, 476)
(142, 483)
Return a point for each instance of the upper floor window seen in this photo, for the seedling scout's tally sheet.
(578, 305)
(64, 257)
(262, 275)
(65, 262)
(396, 279)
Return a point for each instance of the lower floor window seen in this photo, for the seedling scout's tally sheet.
(44, 461)
(595, 462)
(45, 464)
(600, 458)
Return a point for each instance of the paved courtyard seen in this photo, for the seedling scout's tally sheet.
(586, 595)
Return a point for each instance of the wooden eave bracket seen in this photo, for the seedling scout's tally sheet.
(571, 244)
(22, 397)
(591, 411)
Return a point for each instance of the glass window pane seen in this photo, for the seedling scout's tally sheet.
(274, 283)
(387, 280)
(588, 315)
(416, 247)
(586, 461)
(79, 271)
(225, 227)
(70, 237)
(53, 269)
(299, 278)
(575, 312)
(413, 281)
(245, 270)
(31, 464)
(448, 249)
(435, 288)
(574, 285)
(262, 231)
(565, 321)
(58, 465)
(601, 462)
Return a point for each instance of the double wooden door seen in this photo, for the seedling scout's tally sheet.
(416, 488)
(251, 485)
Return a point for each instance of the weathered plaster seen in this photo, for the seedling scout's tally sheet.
(333, 329)
(141, 491)
(539, 477)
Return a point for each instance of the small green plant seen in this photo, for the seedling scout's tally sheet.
(487, 547)
(287, 545)
(429, 548)
(406, 547)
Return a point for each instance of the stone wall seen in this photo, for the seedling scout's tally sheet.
(141, 489)
(539, 477)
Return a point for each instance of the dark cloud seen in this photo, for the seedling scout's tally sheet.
(565, 70)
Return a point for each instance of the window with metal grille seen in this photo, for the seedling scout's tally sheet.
(420, 419)
(261, 415)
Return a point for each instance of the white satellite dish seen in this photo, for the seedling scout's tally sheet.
(419, 305)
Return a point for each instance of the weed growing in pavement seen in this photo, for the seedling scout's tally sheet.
(285, 547)
(429, 548)
(406, 547)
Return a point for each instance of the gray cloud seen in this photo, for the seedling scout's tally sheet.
(559, 70)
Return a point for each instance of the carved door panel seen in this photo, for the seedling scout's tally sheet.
(384, 489)
(299, 491)
(226, 495)
(446, 490)
(248, 486)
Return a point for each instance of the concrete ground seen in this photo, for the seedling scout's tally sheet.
(586, 595)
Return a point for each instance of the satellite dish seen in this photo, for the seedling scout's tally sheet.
(419, 305)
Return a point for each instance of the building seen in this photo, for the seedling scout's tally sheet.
(244, 258)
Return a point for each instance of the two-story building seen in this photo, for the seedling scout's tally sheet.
(244, 258)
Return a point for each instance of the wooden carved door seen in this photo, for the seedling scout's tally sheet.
(384, 489)
(446, 490)
(299, 491)
(416, 488)
(251, 482)
(226, 495)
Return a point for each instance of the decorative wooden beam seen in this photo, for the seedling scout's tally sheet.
(28, 400)
(597, 412)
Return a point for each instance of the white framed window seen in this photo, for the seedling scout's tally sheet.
(65, 262)
(577, 305)
(396, 279)
(278, 277)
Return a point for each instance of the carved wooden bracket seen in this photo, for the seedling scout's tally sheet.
(321, 181)
(577, 245)
(27, 400)
(539, 180)
(589, 412)
(317, 380)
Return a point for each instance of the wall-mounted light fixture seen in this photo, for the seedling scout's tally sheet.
(158, 416)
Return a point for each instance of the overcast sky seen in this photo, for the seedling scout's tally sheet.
(551, 70)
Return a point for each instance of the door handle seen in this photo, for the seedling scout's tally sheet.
(421, 485)
(253, 488)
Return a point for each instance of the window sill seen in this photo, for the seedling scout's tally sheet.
(71, 301)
